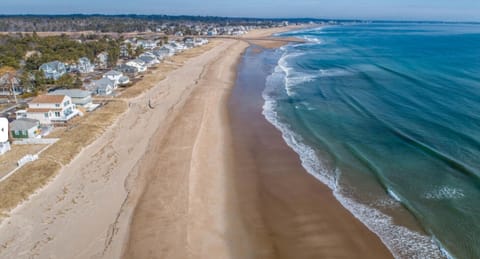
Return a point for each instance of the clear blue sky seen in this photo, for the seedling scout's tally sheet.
(457, 10)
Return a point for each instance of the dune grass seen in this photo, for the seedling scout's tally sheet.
(73, 139)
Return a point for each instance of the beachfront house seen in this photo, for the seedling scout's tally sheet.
(25, 128)
(128, 70)
(200, 41)
(123, 81)
(101, 61)
(114, 76)
(50, 109)
(80, 98)
(178, 47)
(163, 52)
(149, 60)
(102, 87)
(53, 70)
(139, 64)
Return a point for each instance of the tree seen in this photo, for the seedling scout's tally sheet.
(66, 81)
(40, 80)
(139, 51)
(78, 82)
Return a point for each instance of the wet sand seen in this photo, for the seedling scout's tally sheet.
(287, 212)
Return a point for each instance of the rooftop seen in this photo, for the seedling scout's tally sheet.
(23, 123)
(48, 99)
(73, 93)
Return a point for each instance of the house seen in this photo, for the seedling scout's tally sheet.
(53, 70)
(139, 64)
(126, 69)
(102, 60)
(200, 41)
(178, 47)
(25, 128)
(149, 60)
(124, 51)
(164, 51)
(114, 76)
(124, 80)
(80, 98)
(189, 42)
(103, 87)
(84, 65)
(147, 44)
(49, 109)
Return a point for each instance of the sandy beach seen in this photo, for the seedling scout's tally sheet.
(180, 180)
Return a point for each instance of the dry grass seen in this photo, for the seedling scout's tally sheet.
(8, 161)
(76, 136)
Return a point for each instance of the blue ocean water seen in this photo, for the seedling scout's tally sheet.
(388, 116)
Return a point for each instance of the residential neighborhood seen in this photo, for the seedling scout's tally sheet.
(77, 88)
(44, 90)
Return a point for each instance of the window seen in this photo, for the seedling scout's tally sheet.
(46, 115)
(57, 105)
(57, 114)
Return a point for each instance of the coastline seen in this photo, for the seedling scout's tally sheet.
(163, 182)
(291, 213)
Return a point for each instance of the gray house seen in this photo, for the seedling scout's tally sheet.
(149, 60)
(25, 128)
(126, 69)
(102, 87)
(53, 70)
(79, 97)
(84, 65)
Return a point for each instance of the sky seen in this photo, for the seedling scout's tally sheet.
(443, 10)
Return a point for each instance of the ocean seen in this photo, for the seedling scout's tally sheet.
(388, 116)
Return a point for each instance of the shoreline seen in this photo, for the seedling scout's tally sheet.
(170, 169)
(292, 213)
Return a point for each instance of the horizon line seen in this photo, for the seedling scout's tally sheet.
(245, 17)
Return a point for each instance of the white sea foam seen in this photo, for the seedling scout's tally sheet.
(332, 72)
(402, 242)
(291, 77)
(312, 39)
(444, 192)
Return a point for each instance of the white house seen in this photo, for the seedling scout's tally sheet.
(49, 109)
(79, 97)
(114, 76)
(139, 64)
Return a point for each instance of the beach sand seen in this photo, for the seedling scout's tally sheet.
(173, 182)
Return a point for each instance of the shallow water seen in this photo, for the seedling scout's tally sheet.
(388, 116)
